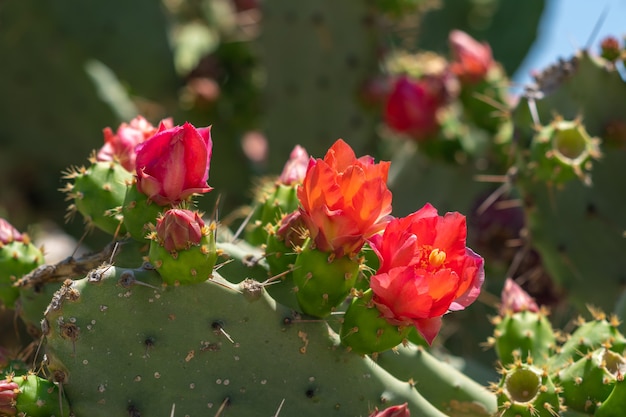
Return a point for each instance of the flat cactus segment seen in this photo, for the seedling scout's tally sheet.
(120, 345)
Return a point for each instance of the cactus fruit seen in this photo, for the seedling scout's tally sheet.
(139, 213)
(98, 194)
(33, 396)
(527, 391)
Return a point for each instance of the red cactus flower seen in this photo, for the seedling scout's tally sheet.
(515, 299)
(471, 59)
(8, 397)
(344, 200)
(413, 105)
(295, 168)
(8, 233)
(174, 164)
(120, 146)
(425, 270)
(393, 411)
(179, 229)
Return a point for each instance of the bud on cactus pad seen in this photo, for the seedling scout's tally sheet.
(183, 247)
(564, 150)
(98, 193)
(17, 257)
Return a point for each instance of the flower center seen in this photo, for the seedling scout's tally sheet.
(436, 258)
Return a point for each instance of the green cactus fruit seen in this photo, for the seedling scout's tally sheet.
(322, 280)
(365, 331)
(98, 194)
(139, 213)
(483, 102)
(588, 337)
(587, 382)
(183, 248)
(16, 259)
(563, 150)
(32, 396)
(142, 348)
(615, 404)
(527, 335)
(274, 203)
(527, 391)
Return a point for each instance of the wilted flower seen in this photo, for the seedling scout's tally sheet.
(174, 164)
(515, 299)
(120, 146)
(8, 233)
(471, 59)
(179, 229)
(393, 411)
(425, 270)
(295, 168)
(344, 200)
(413, 105)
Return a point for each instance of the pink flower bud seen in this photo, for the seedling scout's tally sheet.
(120, 146)
(515, 299)
(393, 411)
(8, 396)
(174, 164)
(295, 168)
(471, 59)
(8, 233)
(179, 229)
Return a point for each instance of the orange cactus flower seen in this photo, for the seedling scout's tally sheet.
(425, 270)
(344, 200)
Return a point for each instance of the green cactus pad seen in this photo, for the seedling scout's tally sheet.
(16, 259)
(147, 349)
(98, 193)
(323, 281)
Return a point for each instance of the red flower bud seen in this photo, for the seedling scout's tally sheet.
(413, 105)
(121, 146)
(174, 164)
(610, 49)
(179, 229)
(344, 200)
(393, 411)
(471, 59)
(295, 168)
(8, 233)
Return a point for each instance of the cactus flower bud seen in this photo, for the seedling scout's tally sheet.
(413, 105)
(174, 164)
(8, 396)
(8, 233)
(610, 49)
(515, 299)
(179, 229)
(393, 411)
(120, 146)
(295, 168)
(344, 200)
(471, 59)
(183, 247)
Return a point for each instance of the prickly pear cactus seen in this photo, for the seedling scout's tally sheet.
(576, 225)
